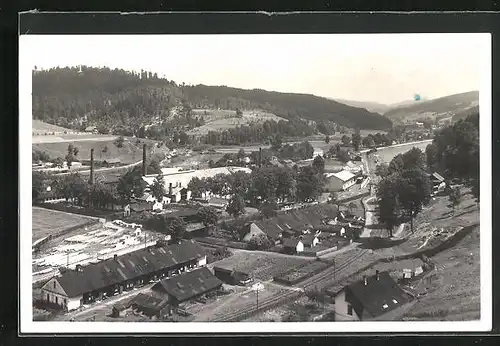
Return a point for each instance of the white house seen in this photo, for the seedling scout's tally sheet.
(318, 152)
(342, 180)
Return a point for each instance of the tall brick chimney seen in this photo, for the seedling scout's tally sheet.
(91, 178)
(144, 168)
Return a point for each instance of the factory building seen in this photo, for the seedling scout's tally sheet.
(87, 284)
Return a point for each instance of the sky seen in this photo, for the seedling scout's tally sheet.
(370, 67)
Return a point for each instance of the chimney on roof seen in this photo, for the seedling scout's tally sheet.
(144, 168)
(260, 157)
(377, 275)
(115, 257)
(91, 178)
(170, 191)
(365, 280)
(78, 268)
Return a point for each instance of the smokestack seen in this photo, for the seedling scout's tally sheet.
(366, 281)
(144, 168)
(91, 179)
(260, 157)
(170, 189)
(377, 275)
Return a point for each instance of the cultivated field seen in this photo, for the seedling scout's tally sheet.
(47, 222)
(219, 120)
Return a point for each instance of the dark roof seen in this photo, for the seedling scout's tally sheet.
(307, 239)
(148, 304)
(290, 242)
(297, 220)
(127, 267)
(189, 285)
(377, 293)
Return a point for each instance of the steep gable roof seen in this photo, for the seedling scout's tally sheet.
(189, 285)
(376, 297)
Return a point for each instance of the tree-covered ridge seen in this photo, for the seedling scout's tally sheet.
(75, 98)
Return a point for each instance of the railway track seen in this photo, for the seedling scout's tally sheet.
(320, 280)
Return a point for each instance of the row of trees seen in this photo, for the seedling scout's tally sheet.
(264, 187)
(405, 186)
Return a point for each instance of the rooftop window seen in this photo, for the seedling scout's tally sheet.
(385, 306)
(394, 301)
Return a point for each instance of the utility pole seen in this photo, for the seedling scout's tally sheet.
(257, 299)
(334, 269)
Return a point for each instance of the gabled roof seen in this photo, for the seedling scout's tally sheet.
(342, 175)
(437, 176)
(377, 297)
(148, 304)
(308, 239)
(189, 285)
(127, 267)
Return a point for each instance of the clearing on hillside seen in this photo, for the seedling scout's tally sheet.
(39, 127)
(47, 222)
(219, 120)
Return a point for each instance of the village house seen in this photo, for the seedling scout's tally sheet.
(228, 274)
(292, 223)
(438, 182)
(369, 299)
(86, 284)
(340, 181)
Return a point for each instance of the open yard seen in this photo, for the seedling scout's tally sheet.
(47, 222)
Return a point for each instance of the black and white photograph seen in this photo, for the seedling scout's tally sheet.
(331, 180)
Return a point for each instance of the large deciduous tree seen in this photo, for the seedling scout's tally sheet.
(414, 191)
(130, 185)
(236, 206)
(175, 227)
(208, 216)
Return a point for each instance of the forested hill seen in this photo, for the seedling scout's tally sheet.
(72, 98)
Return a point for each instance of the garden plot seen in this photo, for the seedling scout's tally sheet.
(302, 272)
(261, 265)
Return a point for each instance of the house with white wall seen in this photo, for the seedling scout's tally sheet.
(340, 181)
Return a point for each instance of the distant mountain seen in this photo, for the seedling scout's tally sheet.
(74, 98)
(452, 107)
(369, 106)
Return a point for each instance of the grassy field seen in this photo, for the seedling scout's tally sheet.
(46, 222)
(130, 152)
(452, 291)
(219, 120)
